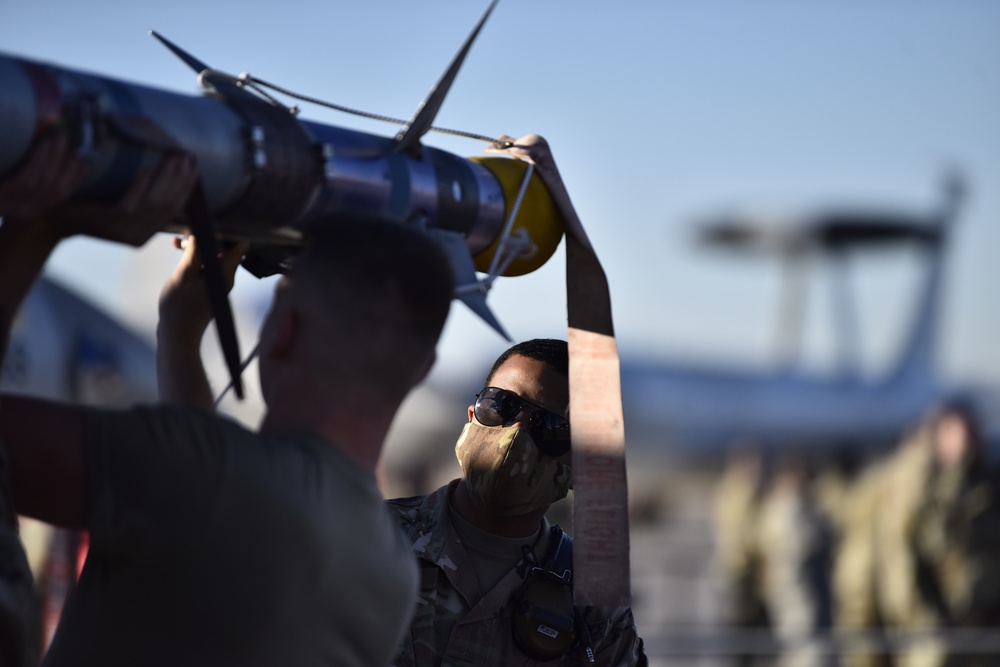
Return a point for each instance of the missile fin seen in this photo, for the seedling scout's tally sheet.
(476, 301)
(200, 220)
(465, 277)
(408, 138)
(222, 83)
(192, 62)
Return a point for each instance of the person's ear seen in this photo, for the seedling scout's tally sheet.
(472, 411)
(286, 331)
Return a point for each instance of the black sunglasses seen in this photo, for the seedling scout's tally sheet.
(501, 407)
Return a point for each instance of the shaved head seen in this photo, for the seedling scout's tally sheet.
(373, 296)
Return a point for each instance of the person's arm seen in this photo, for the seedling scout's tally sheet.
(36, 436)
(44, 440)
(44, 443)
(35, 219)
(27, 235)
(185, 314)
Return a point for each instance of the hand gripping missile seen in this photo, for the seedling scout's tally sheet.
(267, 174)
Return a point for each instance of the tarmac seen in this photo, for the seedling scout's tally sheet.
(679, 607)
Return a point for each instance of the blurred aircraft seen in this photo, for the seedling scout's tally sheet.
(697, 410)
(64, 348)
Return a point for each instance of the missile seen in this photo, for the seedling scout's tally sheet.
(266, 174)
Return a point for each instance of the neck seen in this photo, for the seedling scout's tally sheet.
(521, 525)
(356, 430)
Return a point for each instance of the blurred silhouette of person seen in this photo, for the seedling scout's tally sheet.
(855, 608)
(737, 544)
(796, 542)
(937, 556)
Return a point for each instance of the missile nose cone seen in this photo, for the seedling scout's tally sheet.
(537, 216)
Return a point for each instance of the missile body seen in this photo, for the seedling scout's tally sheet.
(265, 173)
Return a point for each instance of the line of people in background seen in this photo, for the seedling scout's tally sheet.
(893, 563)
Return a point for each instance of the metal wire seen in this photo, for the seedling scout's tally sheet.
(508, 242)
(246, 362)
(247, 80)
(510, 219)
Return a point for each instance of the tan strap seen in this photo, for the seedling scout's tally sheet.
(601, 567)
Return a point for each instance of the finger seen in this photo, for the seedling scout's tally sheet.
(191, 261)
(159, 183)
(530, 147)
(501, 144)
(524, 145)
(230, 259)
(188, 269)
(187, 179)
(45, 161)
(56, 170)
(172, 183)
(530, 140)
(68, 180)
(129, 202)
(49, 175)
(159, 193)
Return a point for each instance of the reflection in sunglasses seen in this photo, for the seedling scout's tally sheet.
(502, 407)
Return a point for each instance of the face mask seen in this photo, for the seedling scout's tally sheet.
(507, 474)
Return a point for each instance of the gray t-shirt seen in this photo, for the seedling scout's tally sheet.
(212, 545)
(493, 556)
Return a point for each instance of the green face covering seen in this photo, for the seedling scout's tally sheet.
(507, 474)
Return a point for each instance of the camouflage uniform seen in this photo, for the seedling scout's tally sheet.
(856, 611)
(937, 552)
(953, 542)
(454, 626)
(795, 544)
(738, 555)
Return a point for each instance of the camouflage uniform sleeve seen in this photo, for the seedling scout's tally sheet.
(615, 638)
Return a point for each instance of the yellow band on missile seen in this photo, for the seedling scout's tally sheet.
(538, 216)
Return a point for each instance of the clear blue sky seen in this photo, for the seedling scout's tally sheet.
(658, 113)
